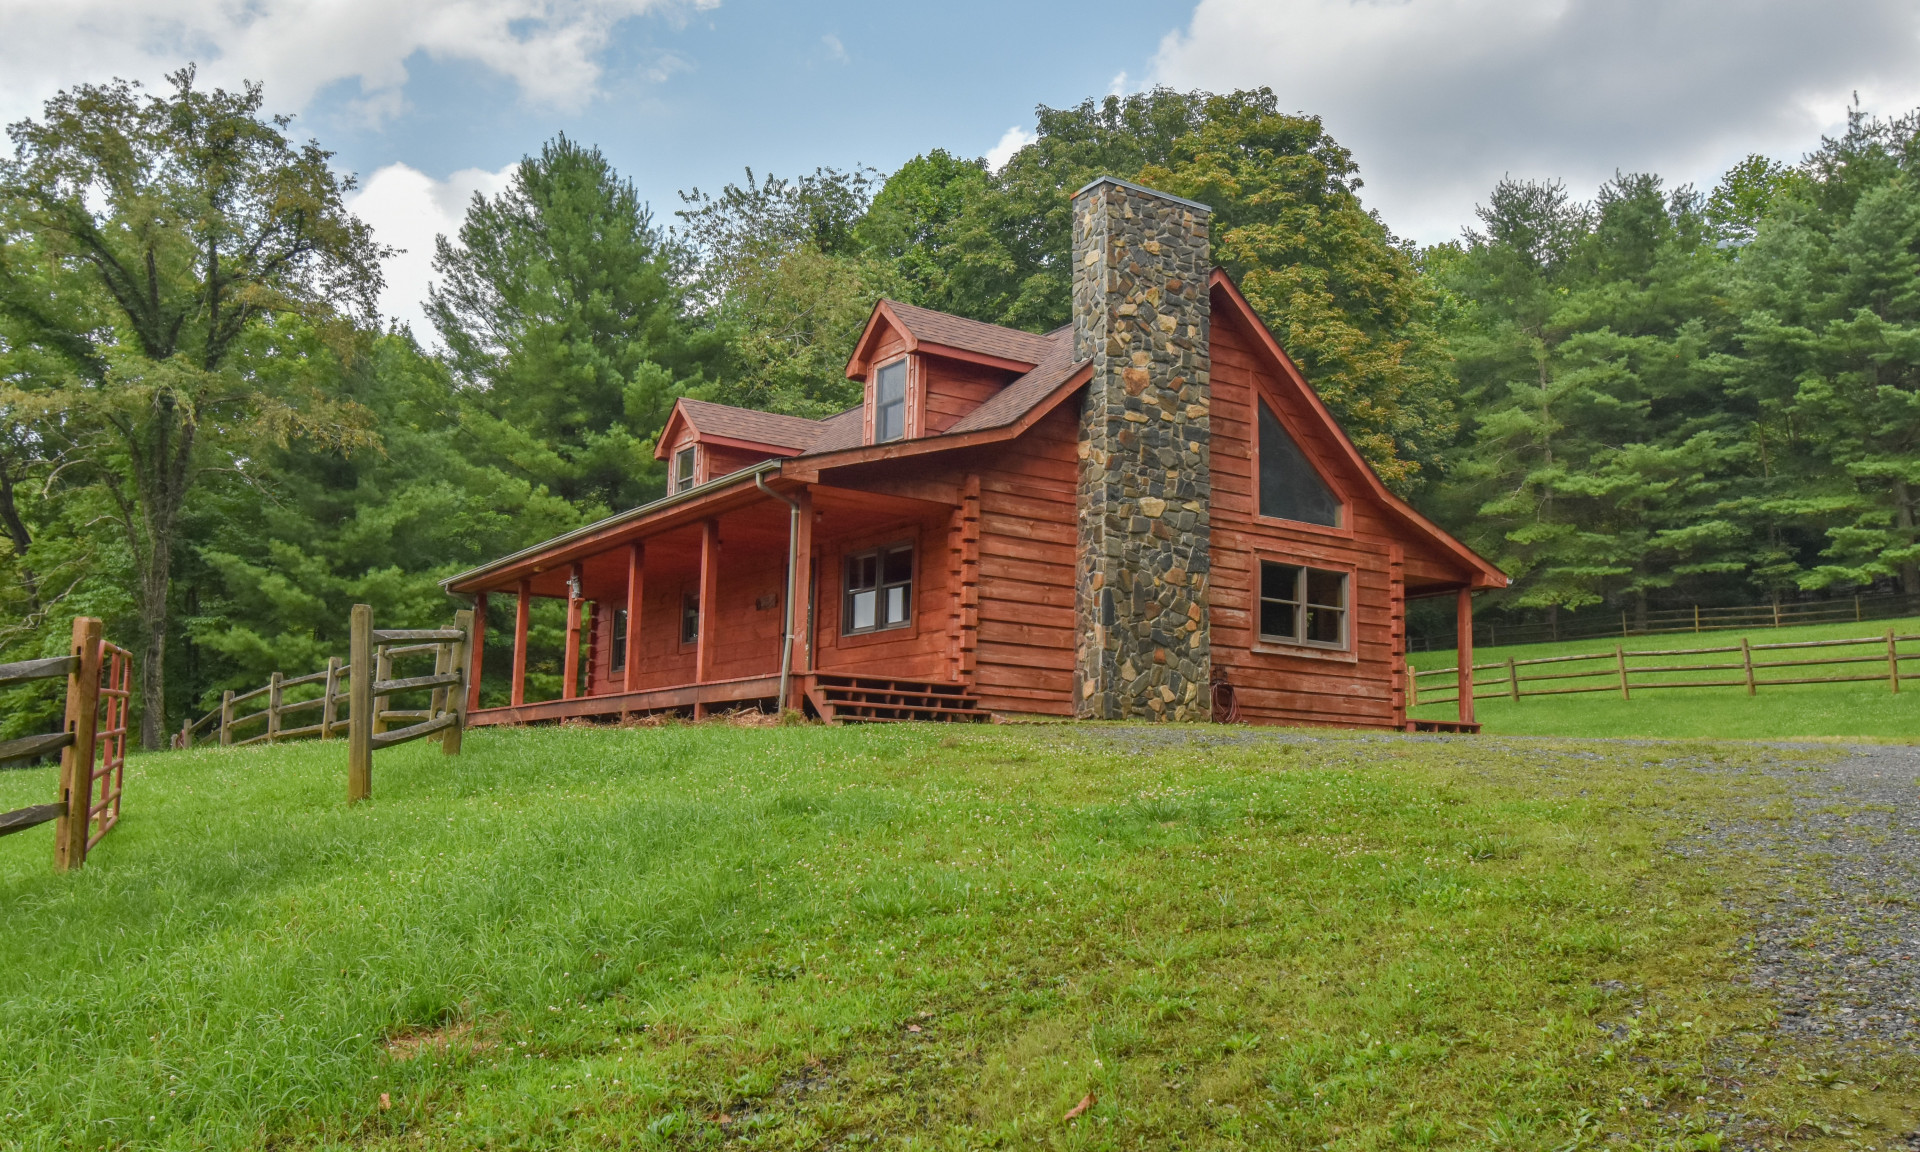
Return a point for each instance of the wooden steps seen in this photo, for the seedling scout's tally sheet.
(1441, 726)
(888, 699)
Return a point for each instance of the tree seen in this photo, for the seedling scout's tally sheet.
(1600, 454)
(783, 271)
(562, 314)
(1829, 290)
(171, 228)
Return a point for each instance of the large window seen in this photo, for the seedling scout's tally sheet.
(1301, 605)
(890, 402)
(879, 590)
(683, 469)
(618, 657)
(1289, 487)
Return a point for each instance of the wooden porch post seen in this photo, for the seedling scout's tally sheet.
(799, 597)
(523, 609)
(570, 673)
(1463, 624)
(709, 593)
(636, 584)
(476, 654)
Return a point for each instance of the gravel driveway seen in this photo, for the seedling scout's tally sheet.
(1839, 940)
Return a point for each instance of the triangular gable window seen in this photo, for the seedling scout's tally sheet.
(1289, 487)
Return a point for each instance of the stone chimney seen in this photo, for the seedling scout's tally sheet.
(1140, 313)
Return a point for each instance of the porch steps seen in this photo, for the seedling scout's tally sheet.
(885, 699)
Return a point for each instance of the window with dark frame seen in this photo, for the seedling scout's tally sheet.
(879, 590)
(1290, 489)
(1301, 605)
(690, 618)
(890, 402)
(617, 658)
(683, 461)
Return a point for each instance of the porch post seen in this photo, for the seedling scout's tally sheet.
(636, 584)
(1463, 650)
(709, 593)
(798, 597)
(475, 656)
(523, 609)
(570, 672)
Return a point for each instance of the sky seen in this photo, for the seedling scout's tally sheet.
(430, 101)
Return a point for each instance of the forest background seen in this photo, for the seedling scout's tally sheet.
(209, 438)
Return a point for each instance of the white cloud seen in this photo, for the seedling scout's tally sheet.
(549, 48)
(1011, 141)
(836, 51)
(407, 209)
(1118, 85)
(1440, 98)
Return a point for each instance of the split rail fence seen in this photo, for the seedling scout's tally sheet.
(1562, 675)
(1491, 633)
(92, 743)
(357, 697)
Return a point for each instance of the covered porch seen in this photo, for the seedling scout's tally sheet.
(733, 595)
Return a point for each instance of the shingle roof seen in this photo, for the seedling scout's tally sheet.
(1018, 398)
(1051, 355)
(837, 432)
(971, 335)
(712, 419)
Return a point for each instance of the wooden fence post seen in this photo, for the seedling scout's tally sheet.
(76, 760)
(1776, 613)
(382, 670)
(360, 704)
(330, 699)
(1513, 680)
(1856, 607)
(226, 718)
(457, 694)
(1893, 663)
(1413, 687)
(186, 733)
(1696, 618)
(274, 696)
(1620, 655)
(1746, 661)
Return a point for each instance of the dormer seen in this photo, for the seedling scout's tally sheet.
(703, 441)
(924, 371)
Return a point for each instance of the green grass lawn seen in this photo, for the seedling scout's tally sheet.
(1861, 711)
(914, 937)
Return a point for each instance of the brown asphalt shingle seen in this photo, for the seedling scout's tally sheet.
(713, 419)
(971, 335)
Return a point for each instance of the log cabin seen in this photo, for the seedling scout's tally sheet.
(1146, 514)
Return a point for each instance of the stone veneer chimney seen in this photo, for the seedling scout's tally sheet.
(1140, 313)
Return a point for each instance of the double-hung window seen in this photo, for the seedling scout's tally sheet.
(890, 402)
(617, 658)
(879, 590)
(683, 469)
(1301, 605)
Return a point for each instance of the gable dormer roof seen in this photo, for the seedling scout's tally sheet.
(738, 428)
(955, 337)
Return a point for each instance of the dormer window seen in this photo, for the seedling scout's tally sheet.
(683, 469)
(890, 402)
